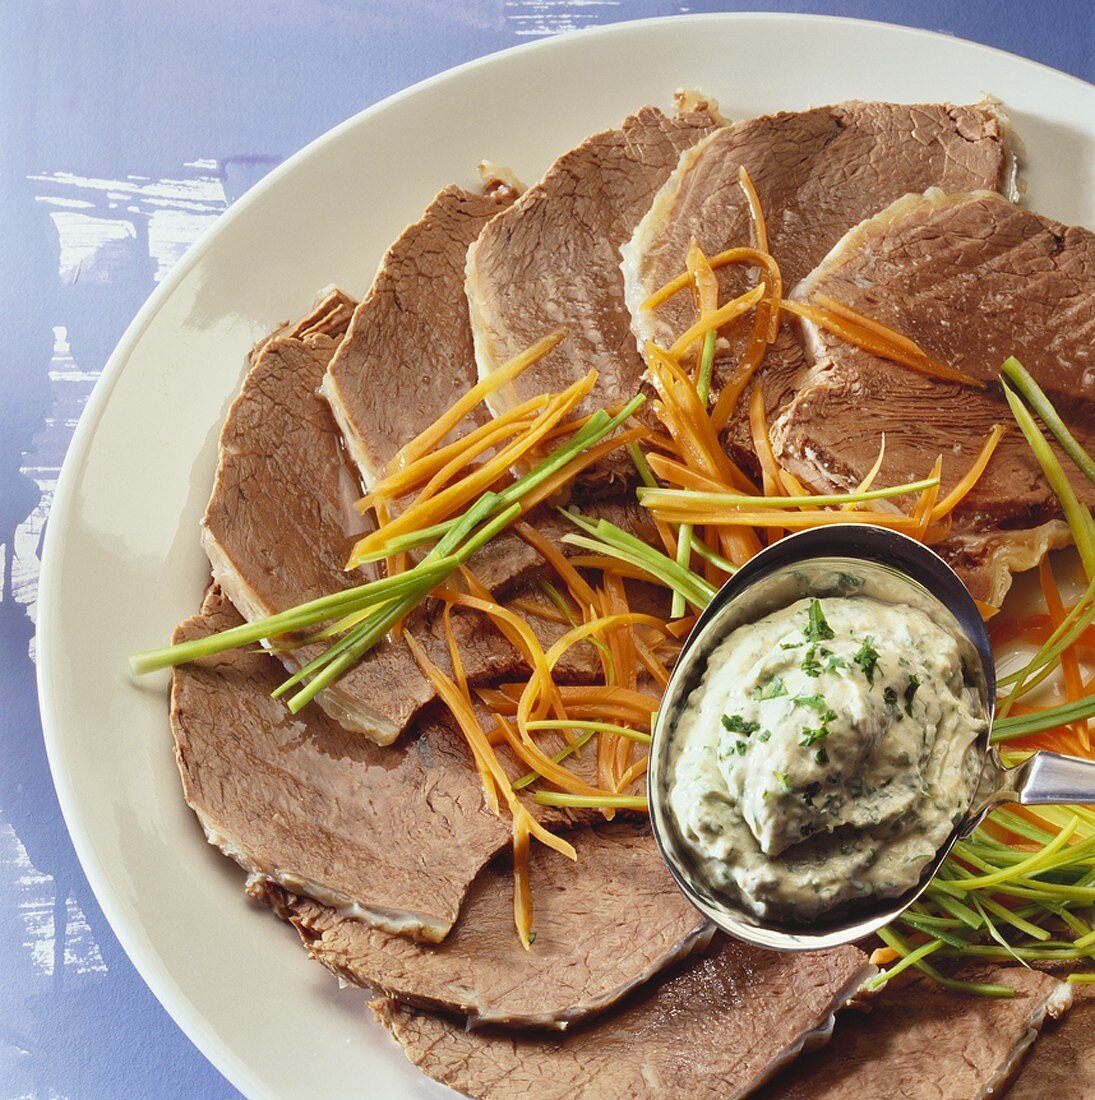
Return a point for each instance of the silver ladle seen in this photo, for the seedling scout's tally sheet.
(833, 561)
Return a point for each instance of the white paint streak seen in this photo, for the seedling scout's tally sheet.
(90, 246)
(171, 233)
(70, 387)
(106, 230)
(159, 217)
(33, 896)
(540, 18)
(81, 952)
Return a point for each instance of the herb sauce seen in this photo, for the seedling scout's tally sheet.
(826, 755)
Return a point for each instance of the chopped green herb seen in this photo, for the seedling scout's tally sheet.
(910, 694)
(532, 938)
(817, 703)
(817, 629)
(810, 793)
(834, 661)
(791, 645)
(810, 664)
(783, 779)
(821, 756)
(812, 736)
(773, 689)
(740, 748)
(867, 659)
(764, 735)
(735, 723)
(889, 696)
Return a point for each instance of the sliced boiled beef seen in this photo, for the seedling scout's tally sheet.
(552, 260)
(923, 1042)
(408, 352)
(281, 521)
(817, 173)
(972, 279)
(717, 1027)
(602, 927)
(392, 836)
(1062, 1062)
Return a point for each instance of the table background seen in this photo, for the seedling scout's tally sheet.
(126, 128)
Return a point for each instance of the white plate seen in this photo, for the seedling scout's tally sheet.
(122, 562)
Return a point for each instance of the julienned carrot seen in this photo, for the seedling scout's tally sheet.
(868, 479)
(426, 440)
(578, 586)
(884, 346)
(451, 499)
(522, 893)
(750, 363)
(971, 477)
(477, 741)
(490, 787)
(1070, 664)
(924, 509)
(536, 759)
(697, 442)
(621, 639)
(756, 212)
(688, 422)
(762, 447)
(743, 256)
(714, 321)
(772, 277)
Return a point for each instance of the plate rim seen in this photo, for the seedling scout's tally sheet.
(153, 972)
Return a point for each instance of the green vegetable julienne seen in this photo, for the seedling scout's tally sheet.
(375, 608)
(867, 658)
(816, 628)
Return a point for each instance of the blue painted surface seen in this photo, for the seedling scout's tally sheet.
(125, 128)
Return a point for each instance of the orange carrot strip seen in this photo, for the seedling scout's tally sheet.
(490, 788)
(680, 627)
(749, 257)
(427, 439)
(401, 482)
(690, 426)
(548, 612)
(762, 447)
(522, 893)
(726, 313)
(579, 587)
(669, 469)
(882, 346)
(971, 477)
(772, 275)
(451, 499)
(986, 609)
(791, 484)
(868, 481)
(477, 741)
(760, 230)
(923, 511)
(1070, 662)
(632, 773)
(536, 759)
(869, 323)
(563, 477)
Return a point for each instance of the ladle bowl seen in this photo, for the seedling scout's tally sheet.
(839, 560)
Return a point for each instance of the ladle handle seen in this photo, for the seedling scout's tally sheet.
(1049, 777)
